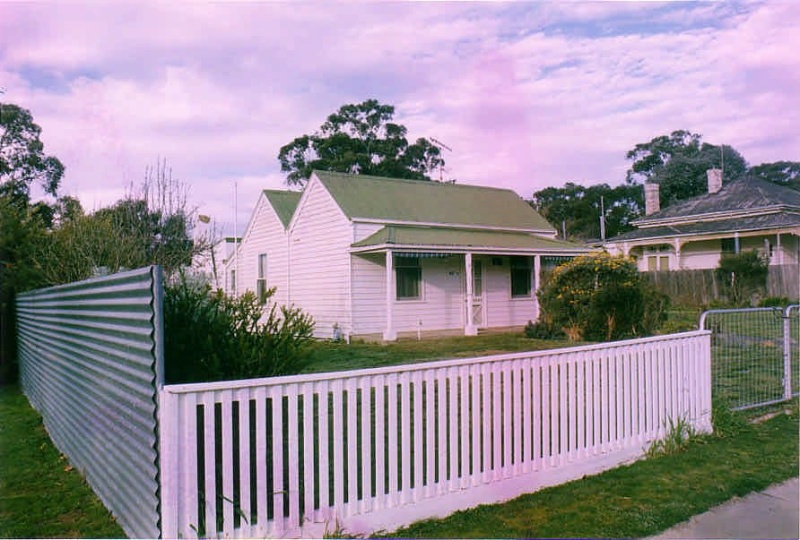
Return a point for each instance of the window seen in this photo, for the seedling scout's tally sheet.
(261, 281)
(658, 263)
(408, 274)
(232, 285)
(520, 277)
(728, 245)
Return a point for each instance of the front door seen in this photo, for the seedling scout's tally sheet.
(478, 309)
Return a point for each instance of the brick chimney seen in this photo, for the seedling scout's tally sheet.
(652, 204)
(714, 180)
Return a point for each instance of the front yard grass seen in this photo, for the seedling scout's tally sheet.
(640, 499)
(332, 356)
(41, 496)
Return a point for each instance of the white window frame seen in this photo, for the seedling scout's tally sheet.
(513, 266)
(261, 279)
(403, 265)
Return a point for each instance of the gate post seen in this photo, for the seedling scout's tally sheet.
(787, 355)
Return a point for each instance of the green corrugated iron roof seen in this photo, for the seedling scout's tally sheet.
(284, 203)
(445, 237)
(391, 199)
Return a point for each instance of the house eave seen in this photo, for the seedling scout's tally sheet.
(646, 222)
(461, 250)
(541, 232)
(699, 236)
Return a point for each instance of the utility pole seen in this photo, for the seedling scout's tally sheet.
(602, 219)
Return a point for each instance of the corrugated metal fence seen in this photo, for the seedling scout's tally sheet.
(91, 359)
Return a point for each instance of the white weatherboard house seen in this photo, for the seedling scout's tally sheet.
(379, 257)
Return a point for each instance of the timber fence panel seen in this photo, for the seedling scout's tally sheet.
(90, 361)
(376, 449)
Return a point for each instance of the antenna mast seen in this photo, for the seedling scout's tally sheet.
(441, 145)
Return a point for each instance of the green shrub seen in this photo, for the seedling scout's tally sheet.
(541, 330)
(742, 275)
(209, 336)
(775, 301)
(601, 297)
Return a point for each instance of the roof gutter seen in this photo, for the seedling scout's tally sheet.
(460, 250)
(644, 223)
(548, 232)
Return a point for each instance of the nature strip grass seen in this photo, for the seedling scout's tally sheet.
(41, 495)
(639, 499)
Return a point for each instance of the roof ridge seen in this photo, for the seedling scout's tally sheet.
(281, 191)
(447, 185)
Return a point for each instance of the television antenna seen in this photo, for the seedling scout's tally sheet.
(441, 146)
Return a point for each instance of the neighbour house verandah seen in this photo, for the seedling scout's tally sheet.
(746, 214)
(481, 256)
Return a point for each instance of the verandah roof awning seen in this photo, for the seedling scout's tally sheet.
(450, 240)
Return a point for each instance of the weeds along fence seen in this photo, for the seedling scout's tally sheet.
(703, 287)
(755, 355)
(89, 355)
(377, 449)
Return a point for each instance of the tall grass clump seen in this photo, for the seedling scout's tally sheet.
(209, 336)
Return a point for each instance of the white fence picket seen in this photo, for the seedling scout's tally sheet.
(369, 449)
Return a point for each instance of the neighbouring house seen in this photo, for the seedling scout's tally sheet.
(746, 214)
(210, 266)
(380, 257)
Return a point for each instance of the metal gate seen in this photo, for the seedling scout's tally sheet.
(754, 355)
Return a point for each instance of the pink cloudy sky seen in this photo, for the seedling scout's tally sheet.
(528, 95)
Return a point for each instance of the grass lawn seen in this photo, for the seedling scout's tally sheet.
(41, 496)
(641, 499)
(331, 356)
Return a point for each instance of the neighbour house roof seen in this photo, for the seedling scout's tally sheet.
(284, 203)
(453, 239)
(748, 194)
(722, 226)
(744, 205)
(414, 201)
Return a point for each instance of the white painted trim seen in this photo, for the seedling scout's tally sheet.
(699, 237)
(380, 248)
(469, 326)
(389, 334)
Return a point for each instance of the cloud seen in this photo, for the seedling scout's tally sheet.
(528, 95)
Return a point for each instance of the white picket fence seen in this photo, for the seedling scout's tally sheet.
(379, 448)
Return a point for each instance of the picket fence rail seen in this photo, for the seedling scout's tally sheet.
(377, 449)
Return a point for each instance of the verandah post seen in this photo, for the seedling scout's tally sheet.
(389, 334)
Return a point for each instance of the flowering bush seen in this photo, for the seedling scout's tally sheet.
(601, 297)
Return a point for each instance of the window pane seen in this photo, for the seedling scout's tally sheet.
(520, 282)
(261, 291)
(663, 263)
(651, 263)
(408, 280)
(408, 276)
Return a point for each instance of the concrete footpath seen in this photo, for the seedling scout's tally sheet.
(772, 513)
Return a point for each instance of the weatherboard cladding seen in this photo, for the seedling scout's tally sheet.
(396, 200)
(88, 363)
(463, 238)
